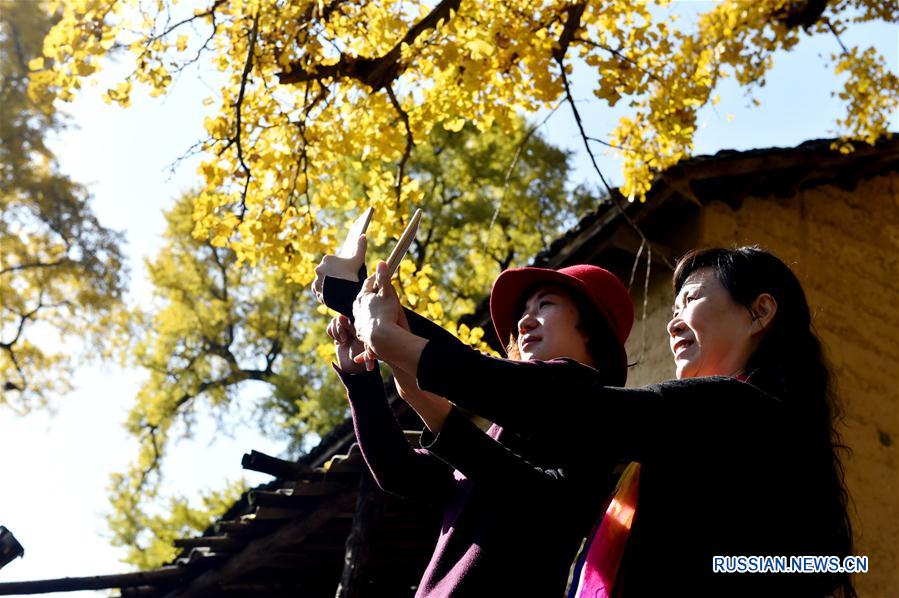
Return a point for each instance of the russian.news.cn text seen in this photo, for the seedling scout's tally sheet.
(789, 564)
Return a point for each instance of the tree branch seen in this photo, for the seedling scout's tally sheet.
(204, 47)
(196, 148)
(410, 143)
(64, 261)
(518, 151)
(210, 12)
(17, 44)
(244, 77)
(7, 386)
(374, 72)
(23, 318)
(303, 162)
(611, 145)
(614, 194)
(272, 354)
(620, 56)
(223, 352)
(572, 24)
(836, 35)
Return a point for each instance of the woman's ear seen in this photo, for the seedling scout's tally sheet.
(764, 308)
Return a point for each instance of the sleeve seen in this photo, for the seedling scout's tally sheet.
(395, 466)
(483, 460)
(339, 294)
(564, 402)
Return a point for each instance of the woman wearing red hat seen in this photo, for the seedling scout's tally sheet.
(737, 456)
(515, 508)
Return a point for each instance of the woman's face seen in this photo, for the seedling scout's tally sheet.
(710, 333)
(548, 328)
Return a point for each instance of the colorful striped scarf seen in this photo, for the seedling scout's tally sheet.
(606, 548)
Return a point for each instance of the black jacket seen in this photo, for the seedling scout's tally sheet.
(722, 467)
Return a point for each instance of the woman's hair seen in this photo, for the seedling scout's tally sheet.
(788, 363)
(602, 344)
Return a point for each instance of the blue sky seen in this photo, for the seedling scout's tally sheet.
(53, 500)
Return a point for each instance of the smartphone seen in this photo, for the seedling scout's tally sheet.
(358, 228)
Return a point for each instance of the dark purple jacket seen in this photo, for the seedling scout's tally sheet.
(514, 513)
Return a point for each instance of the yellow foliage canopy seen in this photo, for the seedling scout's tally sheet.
(363, 76)
(312, 83)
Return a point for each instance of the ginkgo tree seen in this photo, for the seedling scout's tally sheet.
(218, 326)
(315, 87)
(62, 273)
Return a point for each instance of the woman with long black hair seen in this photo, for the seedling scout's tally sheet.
(737, 457)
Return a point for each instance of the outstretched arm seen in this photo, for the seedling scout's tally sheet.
(395, 466)
(432, 409)
(566, 402)
(486, 461)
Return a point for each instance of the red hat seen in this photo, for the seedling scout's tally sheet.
(597, 285)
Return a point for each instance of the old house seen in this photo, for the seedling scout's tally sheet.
(320, 529)
(835, 220)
